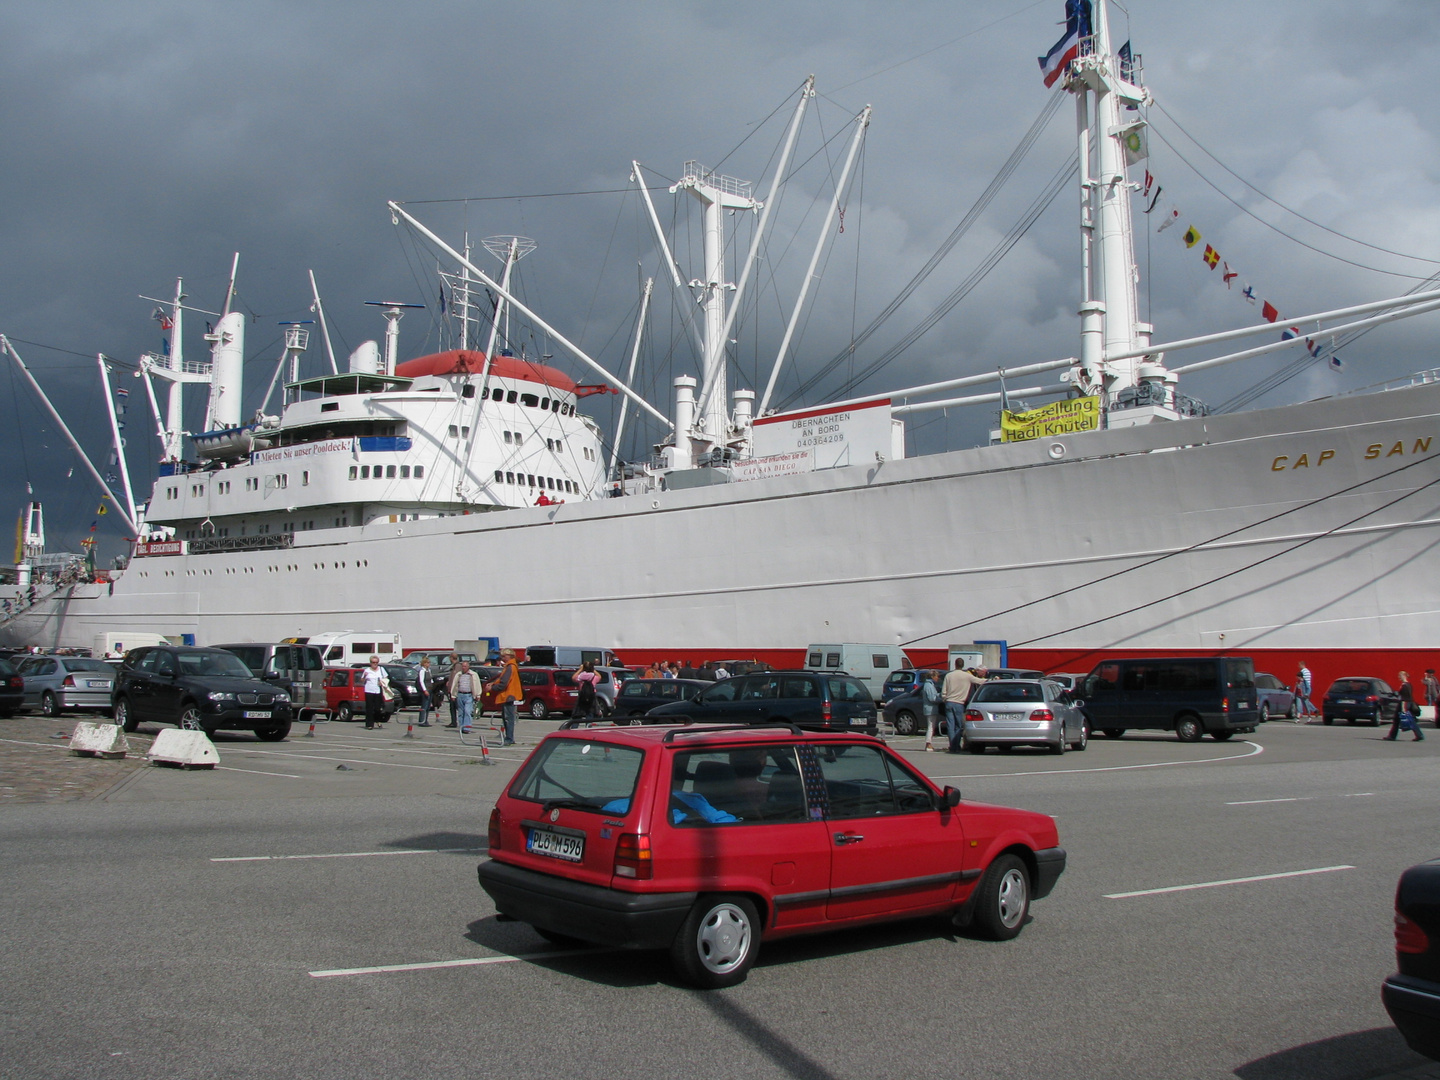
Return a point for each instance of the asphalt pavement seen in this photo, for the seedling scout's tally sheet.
(311, 910)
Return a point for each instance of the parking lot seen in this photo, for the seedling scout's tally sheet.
(311, 909)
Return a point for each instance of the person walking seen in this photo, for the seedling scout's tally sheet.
(930, 706)
(1303, 708)
(424, 684)
(452, 666)
(377, 681)
(587, 701)
(956, 690)
(1432, 693)
(462, 689)
(1405, 714)
(506, 686)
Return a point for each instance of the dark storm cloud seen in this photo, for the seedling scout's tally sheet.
(147, 141)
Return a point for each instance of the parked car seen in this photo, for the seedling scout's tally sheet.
(299, 670)
(403, 681)
(545, 690)
(345, 695)
(824, 701)
(904, 681)
(12, 690)
(1024, 712)
(1359, 697)
(54, 684)
(1012, 673)
(906, 713)
(1276, 699)
(708, 841)
(200, 689)
(612, 680)
(1412, 997)
(1067, 680)
(639, 696)
(1189, 695)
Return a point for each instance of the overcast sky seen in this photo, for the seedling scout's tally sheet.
(146, 141)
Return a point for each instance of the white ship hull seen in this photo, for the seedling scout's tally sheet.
(1311, 527)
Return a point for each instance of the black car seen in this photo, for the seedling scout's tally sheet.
(1354, 698)
(12, 689)
(1412, 997)
(405, 681)
(200, 689)
(820, 701)
(639, 696)
(906, 713)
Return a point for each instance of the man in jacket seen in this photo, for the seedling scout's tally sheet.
(956, 690)
(464, 685)
(425, 684)
(508, 693)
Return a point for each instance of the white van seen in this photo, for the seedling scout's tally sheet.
(568, 656)
(345, 647)
(871, 664)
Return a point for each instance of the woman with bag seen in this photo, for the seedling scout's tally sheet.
(1405, 714)
(587, 702)
(930, 706)
(377, 693)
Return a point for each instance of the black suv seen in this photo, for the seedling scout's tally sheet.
(200, 689)
(1359, 698)
(819, 701)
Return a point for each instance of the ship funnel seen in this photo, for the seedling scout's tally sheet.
(744, 410)
(679, 454)
(366, 359)
(227, 353)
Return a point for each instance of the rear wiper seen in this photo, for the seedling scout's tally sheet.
(568, 804)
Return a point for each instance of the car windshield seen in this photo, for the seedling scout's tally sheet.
(213, 663)
(581, 774)
(6, 668)
(1009, 691)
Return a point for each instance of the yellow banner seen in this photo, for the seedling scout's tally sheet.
(1057, 418)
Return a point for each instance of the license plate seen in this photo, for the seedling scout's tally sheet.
(556, 846)
(1345, 701)
(97, 684)
(257, 715)
(857, 720)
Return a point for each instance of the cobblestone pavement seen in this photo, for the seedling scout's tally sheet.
(37, 767)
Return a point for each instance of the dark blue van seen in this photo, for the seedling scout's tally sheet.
(1192, 696)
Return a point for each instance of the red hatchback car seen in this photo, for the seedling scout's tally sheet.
(345, 694)
(705, 839)
(546, 690)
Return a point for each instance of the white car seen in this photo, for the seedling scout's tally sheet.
(1024, 712)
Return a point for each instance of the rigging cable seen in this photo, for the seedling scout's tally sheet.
(1185, 551)
(986, 197)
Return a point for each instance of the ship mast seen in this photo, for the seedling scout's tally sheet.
(1113, 340)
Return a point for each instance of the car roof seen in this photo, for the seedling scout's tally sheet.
(692, 735)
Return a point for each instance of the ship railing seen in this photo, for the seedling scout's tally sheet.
(698, 173)
(213, 545)
(187, 367)
(1419, 378)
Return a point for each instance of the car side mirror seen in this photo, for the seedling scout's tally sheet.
(951, 796)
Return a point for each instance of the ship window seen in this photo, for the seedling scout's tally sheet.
(509, 438)
(530, 479)
(499, 394)
(499, 476)
(545, 403)
(283, 480)
(510, 397)
(454, 432)
(354, 471)
(555, 405)
(390, 472)
(529, 399)
(550, 482)
(419, 471)
(519, 439)
(550, 444)
(509, 477)
(404, 472)
(305, 478)
(469, 391)
(465, 432)
(364, 472)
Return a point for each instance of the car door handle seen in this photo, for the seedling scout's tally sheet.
(848, 838)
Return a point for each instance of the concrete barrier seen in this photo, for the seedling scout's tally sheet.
(184, 749)
(92, 739)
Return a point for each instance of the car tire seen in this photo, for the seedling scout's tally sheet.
(1005, 747)
(565, 941)
(975, 747)
(1290, 712)
(272, 734)
(190, 720)
(906, 722)
(1003, 899)
(1113, 732)
(50, 705)
(537, 710)
(125, 716)
(718, 943)
(1189, 728)
(1265, 713)
(1221, 736)
(636, 719)
(1327, 720)
(345, 712)
(1084, 740)
(1375, 720)
(1058, 746)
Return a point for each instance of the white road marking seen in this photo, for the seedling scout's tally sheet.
(1227, 881)
(1255, 748)
(470, 962)
(1299, 798)
(259, 772)
(357, 761)
(347, 854)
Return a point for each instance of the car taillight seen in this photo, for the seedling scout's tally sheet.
(1372, 699)
(1224, 704)
(69, 681)
(494, 831)
(632, 857)
(16, 682)
(1409, 938)
(974, 716)
(825, 712)
(1042, 714)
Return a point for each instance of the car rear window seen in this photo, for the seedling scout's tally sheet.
(1351, 686)
(848, 690)
(1009, 691)
(582, 774)
(88, 665)
(737, 787)
(899, 678)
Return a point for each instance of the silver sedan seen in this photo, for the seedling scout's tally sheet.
(1024, 712)
(58, 683)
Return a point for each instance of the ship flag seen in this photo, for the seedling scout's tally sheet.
(1155, 200)
(1249, 293)
(1191, 237)
(1077, 26)
(1270, 311)
(1211, 257)
(1336, 363)
(1170, 219)
(1229, 275)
